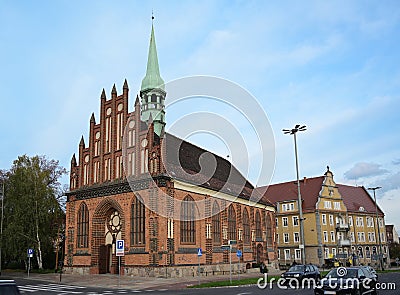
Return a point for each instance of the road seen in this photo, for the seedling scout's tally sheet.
(46, 288)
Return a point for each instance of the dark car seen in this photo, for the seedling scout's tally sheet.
(370, 270)
(347, 281)
(8, 287)
(297, 273)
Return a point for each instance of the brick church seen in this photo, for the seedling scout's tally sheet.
(133, 181)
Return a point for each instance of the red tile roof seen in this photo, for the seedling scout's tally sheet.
(355, 197)
(286, 191)
(310, 188)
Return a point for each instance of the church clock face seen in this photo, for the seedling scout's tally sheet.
(114, 222)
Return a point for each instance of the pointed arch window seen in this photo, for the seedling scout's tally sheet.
(216, 223)
(83, 227)
(188, 226)
(138, 221)
(231, 223)
(246, 227)
(269, 229)
(258, 225)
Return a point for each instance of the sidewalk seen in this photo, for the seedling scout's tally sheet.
(128, 282)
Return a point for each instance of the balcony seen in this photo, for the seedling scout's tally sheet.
(344, 243)
(342, 227)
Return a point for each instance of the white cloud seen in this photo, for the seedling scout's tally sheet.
(362, 169)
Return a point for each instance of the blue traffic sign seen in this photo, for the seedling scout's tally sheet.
(120, 245)
(199, 252)
(239, 253)
(30, 252)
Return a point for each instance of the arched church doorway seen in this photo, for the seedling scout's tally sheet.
(107, 228)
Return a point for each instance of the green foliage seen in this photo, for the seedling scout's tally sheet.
(394, 250)
(32, 207)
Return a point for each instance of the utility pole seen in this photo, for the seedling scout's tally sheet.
(378, 226)
(293, 132)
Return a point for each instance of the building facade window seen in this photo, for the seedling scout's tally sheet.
(83, 227)
(327, 204)
(297, 254)
(323, 216)
(325, 236)
(258, 225)
(231, 223)
(330, 219)
(285, 221)
(216, 223)
(138, 222)
(295, 220)
(336, 205)
(286, 238)
(332, 236)
(287, 254)
(188, 226)
(296, 237)
(246, 227)
(350, 221)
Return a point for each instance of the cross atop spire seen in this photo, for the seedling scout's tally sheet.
(152, 79)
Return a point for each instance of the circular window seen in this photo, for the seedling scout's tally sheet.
(114, 222)
(120, 106)
(144, 142)
(108, 111)
(131, 124)
(97, 135)
(87, 158)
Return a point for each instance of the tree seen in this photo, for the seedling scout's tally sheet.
(32, 208)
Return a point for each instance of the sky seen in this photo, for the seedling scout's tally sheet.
(333, 66)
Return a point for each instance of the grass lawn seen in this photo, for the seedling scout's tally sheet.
(247, 281)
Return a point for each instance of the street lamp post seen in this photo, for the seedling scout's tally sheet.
(377, 225)
(293, 132)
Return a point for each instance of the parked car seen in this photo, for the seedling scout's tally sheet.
(370, 270)
(300, 271)
(347, 281)
(8, 287)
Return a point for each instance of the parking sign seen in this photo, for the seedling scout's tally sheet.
(30, 252)
(120, 248)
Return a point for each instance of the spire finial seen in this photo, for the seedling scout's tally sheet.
(152, 15)
(152, 78)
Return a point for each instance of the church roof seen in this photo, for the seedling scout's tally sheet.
(195, 165)
(152, 79)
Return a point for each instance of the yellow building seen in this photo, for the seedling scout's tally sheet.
(339, 222)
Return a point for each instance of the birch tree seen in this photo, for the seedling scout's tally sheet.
(32, 211)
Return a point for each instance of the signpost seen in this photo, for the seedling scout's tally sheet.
(30, 254)
(397, 261)
(230, 243)
(199, 254)
(119, 251)
(239, 254)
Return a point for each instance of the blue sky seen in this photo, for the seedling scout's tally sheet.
(331, 65)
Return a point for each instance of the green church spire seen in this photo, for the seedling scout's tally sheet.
(152, 79)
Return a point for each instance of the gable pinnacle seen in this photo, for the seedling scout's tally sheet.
(82, 142)
(114, 90)
(125, 85)
(92, 119)
(73, 160)
(103, 94)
